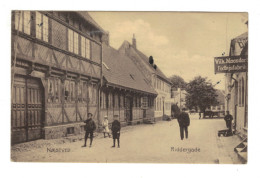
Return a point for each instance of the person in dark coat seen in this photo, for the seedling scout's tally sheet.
(184, 122)
(90, 127)
(116, 127)
(228, 118)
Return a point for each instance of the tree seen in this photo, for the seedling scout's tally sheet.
(178, 82)
(200, 94)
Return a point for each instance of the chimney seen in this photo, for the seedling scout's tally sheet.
(134, 41)
(105, 38)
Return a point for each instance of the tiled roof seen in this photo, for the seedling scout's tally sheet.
(88, 18)
(143, 57)
(236, 49)
(119, 70)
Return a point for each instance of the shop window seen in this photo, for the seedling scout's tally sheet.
(42, 27)
(23, 20)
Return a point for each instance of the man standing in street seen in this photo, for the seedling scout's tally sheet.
(116, 131)
(184, 122)
(228, 118)
(90, 127)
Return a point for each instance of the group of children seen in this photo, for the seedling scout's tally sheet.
(90, 127)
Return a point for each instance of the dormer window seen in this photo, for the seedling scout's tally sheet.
(105, 65)
(132, 76)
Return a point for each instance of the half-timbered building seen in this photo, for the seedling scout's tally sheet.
(56, 73)
(125, 91)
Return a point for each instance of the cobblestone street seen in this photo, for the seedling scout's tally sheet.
(158, 143)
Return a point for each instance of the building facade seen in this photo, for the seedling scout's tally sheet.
(179, 97)
(125, 91)
(236, 87)
(56, 73)
(153, 76)
(217, 110)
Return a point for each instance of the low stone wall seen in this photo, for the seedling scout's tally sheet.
(53, 132)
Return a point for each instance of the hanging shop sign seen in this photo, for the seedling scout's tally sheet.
(230, 64)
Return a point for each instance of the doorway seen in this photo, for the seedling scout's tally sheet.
(129, 109)
(27, 109)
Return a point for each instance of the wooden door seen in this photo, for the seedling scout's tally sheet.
(27, 110)
(128, 109)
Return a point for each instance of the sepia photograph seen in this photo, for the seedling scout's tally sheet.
(129, 87)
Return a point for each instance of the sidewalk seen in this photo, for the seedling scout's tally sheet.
(28, 146)
(226, 146)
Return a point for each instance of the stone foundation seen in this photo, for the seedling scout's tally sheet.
(54, 132)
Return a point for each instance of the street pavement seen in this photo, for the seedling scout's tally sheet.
(145, 143)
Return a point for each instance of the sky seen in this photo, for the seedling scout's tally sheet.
(183, 44)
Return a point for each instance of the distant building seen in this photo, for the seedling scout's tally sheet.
(218, 109)
(179, 97)
(153, 75)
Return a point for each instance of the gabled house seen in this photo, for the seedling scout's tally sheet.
(154, 76)
(125, 91)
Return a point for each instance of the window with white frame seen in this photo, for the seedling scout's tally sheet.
(144, 101)
(85, 47)
(73, 41)
(103, 102)
(76, 43)
(70, 40)
(110, 100)
(69, 91)
(54, 88)
(42, 27)
(122, 103)
(23, 20)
